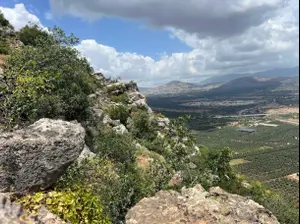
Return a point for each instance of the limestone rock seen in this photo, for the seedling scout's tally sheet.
(44, 216)
(134, 96)
(141, 104)
(12, 213)
(38, 155)
(195, 205)
(162, 123)
(85, 154)
(109, 121)
(176, 180)
(120, 129)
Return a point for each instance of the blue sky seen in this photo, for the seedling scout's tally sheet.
(154, 42)
(123, 34)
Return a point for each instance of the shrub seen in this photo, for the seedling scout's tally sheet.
(118, 112)
(74, 206)
(118, 189)
(4, 46)
(49, 80)
(118, 148)
(32, 34)
(122, 98)
(142, 126)
(3, 21)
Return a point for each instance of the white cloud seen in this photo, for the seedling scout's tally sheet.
(273, 43)
(19, 16)
(216, 18)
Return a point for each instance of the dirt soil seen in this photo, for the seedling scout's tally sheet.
(284, 110)
(294, 177)
(2, 60)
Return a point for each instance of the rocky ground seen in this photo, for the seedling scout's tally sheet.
(197, 206)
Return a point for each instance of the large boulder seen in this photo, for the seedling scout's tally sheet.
(37, 156)
(195, 205)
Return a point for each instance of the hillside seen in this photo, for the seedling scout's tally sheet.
(282, 72)
(77, 147)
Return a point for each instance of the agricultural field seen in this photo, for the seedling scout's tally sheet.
(289, 189)
(269, 155)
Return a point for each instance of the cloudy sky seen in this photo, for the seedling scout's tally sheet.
(155, 41)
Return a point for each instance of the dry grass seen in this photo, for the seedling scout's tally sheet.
(284, 110)
(235, 162)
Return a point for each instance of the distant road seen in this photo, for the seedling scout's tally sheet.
(288, 122)
(247, 115)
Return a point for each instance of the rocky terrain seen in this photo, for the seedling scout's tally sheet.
(195, 205)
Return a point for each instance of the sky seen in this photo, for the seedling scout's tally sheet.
(154, 41)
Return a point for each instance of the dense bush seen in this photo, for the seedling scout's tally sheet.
(32, 35)
(4, 46)
(117, 188)
(78, 206)
(49, 80)
(141, 125)
(3, 21)
(122, 98)
(118, 148)
(118, 112)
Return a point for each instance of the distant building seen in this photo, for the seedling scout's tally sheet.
(248, 130)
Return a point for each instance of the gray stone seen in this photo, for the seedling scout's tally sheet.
(195, 205)
(85, 154)
(134, 96)
(12, 213)
(141, 104)
(109, 121)
(38, 155)
(120, 129)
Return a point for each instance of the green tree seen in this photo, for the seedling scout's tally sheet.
(3, 20)
(31, 34)
(48, 80)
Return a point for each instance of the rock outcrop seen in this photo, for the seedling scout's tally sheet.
(37, 156)
(12, 213)
(197, 206)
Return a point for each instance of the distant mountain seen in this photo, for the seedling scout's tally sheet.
(172, 88)
(237, 87)
(282, 72)
(177, 88)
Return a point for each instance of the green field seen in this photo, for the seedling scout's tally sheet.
(268, 155)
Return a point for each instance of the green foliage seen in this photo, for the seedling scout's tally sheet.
(118, 148)
(118, 112)
(219, 164)
(32, 34)
(142, 126)
(122, 98)
(75, 206)
(4, 46)
(48, 80)
(3, 21)
(117, 188)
